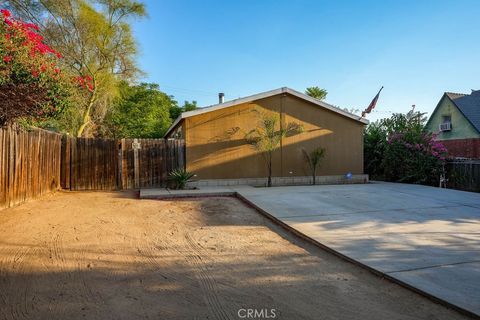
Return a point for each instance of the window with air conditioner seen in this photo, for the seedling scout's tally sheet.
(446, 125)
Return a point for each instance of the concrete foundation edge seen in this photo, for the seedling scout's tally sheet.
(281, 181)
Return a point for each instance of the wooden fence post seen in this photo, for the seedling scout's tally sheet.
(65, 162)
(136, 166)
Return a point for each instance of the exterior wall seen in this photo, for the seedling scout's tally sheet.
(461, 127)
(216, 147)
(463, 148)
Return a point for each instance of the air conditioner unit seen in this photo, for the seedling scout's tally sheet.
(446, 126)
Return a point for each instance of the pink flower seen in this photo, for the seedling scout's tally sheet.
(7, 58)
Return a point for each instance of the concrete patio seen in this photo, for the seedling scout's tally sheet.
(428, 238)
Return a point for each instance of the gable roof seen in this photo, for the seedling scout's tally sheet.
(264, 95)
(469, 106)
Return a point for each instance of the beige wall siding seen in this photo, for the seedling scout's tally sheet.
(340, 136)
(217, 149)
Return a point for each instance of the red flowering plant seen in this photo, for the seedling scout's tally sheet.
(32, 85)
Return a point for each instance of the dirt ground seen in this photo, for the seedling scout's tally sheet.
(102, 255)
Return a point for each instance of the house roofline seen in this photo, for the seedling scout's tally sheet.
(446, 94)
(460, 109)
(436, 108)
(264, 95)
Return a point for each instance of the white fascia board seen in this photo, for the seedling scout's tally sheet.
(262, 96)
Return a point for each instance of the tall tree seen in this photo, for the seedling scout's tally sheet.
(176, 110)
(96, 41)
(316, 92)
(141, 111)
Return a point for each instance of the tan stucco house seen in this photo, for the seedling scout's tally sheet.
(216, 147)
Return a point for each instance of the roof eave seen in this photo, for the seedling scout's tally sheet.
(173, 125)
(435, 110)
(327, 106)
(263, 95)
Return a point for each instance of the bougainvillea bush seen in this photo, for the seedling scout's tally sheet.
(413, 158)
(32, 85)
(398, 149)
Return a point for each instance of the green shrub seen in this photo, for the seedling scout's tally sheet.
(179, 178)
(397, 149)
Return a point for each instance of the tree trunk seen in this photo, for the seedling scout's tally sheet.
(269, 181)
(314, 177)
(86, 114)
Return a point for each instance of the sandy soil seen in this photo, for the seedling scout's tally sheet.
(109, 256)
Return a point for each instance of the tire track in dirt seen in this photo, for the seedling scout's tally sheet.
(152, 246)
(207, 282)
(158, 246)
(57, 260)
(74, 279)
(18, 304)
(92, 298)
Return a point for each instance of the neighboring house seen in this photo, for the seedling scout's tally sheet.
(456, 120)
(216, 147)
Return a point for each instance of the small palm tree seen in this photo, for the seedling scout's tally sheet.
(316, 92)
(313, 158)
(266, 137)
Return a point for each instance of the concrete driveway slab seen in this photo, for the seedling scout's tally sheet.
(338, 200)
(456, 277)
(426, 237)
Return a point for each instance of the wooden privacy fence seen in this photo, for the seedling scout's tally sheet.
(29, 164)
(145, 163)
(105, 164)
(89, 164)
(35, 162)
(463, 175)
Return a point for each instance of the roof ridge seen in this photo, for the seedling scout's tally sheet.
(468, 105)
(263, 95)
(457, 93)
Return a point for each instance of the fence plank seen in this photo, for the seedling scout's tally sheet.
(36, 162)
(155, 159)
(93, 164)
(29, 164)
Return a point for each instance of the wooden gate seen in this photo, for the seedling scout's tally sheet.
(145, 163)
(89, 164)
(105, 164)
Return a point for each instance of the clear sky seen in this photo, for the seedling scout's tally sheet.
(415, 49)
